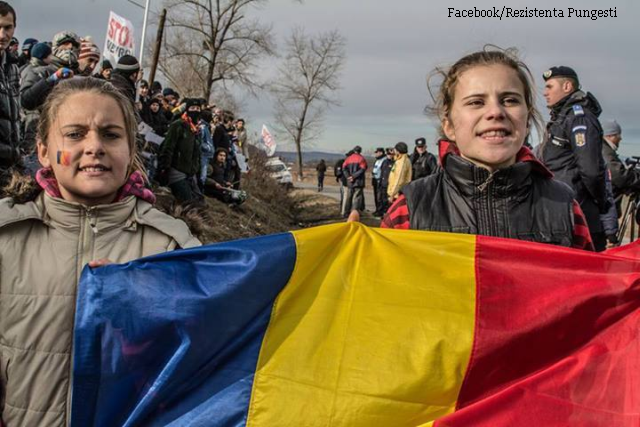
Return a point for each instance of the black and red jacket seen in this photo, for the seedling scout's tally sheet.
(355, 166)
(522, 201)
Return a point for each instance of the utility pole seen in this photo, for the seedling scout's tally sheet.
(157, 47)
(144, 32)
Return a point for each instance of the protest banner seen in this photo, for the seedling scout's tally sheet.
(268, 141)
(119, 40)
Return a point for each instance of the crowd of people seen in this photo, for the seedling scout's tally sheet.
(188, 135)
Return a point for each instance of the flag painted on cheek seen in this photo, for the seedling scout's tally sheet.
(344, 325)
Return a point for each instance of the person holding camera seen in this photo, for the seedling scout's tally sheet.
(624, 179)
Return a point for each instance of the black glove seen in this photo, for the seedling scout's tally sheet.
(612, 238)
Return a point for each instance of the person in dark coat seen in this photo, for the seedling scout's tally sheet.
(354, 168)
(572, 148)
(9, 96)
(153, 116)
(376, 176)
(385, 172)
(624, 180)
(38, 84)
(321, 169)
(25, 56)
(105, 70)
(179, 157)
(423, 163)
(217, 183)
(125, 76)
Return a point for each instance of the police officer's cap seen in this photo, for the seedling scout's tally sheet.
(560, 71)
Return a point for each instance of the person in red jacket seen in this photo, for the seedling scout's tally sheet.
(354, 168)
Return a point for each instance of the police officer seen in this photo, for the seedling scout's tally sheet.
(572, 147)
(423, 163)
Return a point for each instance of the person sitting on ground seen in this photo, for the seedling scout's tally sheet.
(218, 185)
(489, 183)
(88, 205)
(179, 157)
(400, 171)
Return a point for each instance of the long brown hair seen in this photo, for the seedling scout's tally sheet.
(442, 94)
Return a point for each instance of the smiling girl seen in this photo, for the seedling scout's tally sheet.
(90, 207)
(490, 183)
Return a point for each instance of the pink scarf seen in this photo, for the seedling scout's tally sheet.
(133, 187)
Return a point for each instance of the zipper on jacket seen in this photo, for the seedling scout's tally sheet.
(86, 241)
(488, 214)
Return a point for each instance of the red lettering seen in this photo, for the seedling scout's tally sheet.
(123, 40)
(112, 29)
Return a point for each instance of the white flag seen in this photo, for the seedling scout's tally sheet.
(119, 41)
(268, 141)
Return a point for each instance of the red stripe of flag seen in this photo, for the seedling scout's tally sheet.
(556, 340)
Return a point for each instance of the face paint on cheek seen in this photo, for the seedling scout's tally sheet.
(63, 157)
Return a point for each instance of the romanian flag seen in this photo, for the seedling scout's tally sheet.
(345, 325)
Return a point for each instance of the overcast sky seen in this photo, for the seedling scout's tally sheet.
(392, 46)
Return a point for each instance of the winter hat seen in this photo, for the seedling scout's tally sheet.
(14, 41)
(156, 87)
(128, 64)
(357, 149)
(402, 148)
(41, 51)
(28, 44)
(168, 92)
(191, 102)
(155, 101)
(88, 49)
(64, 37)
(106, 65)
(611, 127)
(144, 83)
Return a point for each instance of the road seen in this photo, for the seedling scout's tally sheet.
(334, 191)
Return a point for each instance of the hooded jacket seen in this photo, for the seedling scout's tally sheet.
(44, 246)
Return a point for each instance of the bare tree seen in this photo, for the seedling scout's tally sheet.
(213, 41)
(306, 87)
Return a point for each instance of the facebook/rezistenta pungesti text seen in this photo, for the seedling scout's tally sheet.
(510, 12)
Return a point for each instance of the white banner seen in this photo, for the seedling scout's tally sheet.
(119, 41)
(268, 141)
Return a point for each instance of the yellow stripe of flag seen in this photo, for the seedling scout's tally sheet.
(354, 340)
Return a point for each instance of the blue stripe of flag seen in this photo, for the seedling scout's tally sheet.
(174, 339)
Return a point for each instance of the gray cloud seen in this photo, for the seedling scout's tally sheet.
(392, 45)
